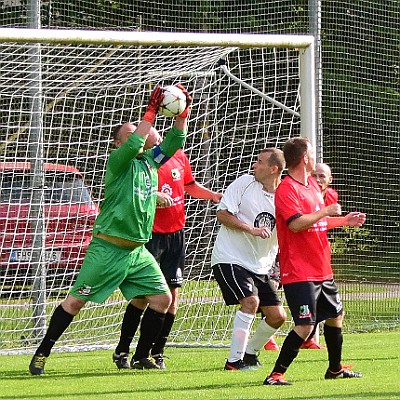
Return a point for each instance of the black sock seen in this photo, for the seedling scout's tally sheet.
(129, 327)
(159, 345)
(334, 342)
(150, 329)
(289, 351)
(312, 334)
(59, 322)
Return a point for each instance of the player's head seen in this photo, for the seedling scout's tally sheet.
(270, 163)
(153, 139)
(323, 174)
(298, 151)
(123, 131)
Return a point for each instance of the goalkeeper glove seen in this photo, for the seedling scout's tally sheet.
(154, 103)
(186, 111)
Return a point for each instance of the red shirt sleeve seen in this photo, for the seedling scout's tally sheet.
(331, 196)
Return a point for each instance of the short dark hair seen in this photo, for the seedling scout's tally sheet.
(276, 157)
(115, 131)
(294, 149)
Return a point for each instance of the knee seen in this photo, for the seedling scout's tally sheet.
(173, 308)
(275, 316)
(165, 301)
(282, 316)
(249, 305)
(72, 305)
(335, 322)
(304, 331)
(139, 303)
(160, 302)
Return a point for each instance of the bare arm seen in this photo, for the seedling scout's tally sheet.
(180, 123)
(231, 221)
(308, 220)
(334, 219)
(198, 191)
(181, 119)
(143, 129)
(351, 219)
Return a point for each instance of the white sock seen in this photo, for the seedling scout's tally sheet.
(263, 333)
(240, 335)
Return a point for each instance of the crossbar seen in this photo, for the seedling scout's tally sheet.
(143, 38)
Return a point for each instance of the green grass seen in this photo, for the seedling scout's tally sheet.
(197, 373)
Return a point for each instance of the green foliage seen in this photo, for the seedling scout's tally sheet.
(350, 239)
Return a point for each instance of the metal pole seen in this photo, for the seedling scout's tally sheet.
(315, 30)
(307, 94)
(38, 266)
(148, 38)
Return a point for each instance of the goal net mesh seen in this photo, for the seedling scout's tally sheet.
(53, 173)
(358, 132)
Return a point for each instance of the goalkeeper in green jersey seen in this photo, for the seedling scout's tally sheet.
(117, 257)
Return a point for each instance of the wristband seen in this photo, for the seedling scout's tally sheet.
(149, 116)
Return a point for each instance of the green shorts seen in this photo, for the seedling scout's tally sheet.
(107, 267)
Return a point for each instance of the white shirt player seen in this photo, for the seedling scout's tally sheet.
(246, 199)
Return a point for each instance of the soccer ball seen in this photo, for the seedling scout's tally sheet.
(173, 103)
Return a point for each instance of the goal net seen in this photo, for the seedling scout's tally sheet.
(62, 92)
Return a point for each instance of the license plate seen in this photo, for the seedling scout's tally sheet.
(50, 256)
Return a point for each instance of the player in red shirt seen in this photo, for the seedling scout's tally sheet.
(302, 221)
(167, 245)
(323, 176)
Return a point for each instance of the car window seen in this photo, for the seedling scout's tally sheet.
(58, 188)
(14, 188)
(66, 188)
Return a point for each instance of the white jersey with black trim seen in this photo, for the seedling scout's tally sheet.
(246, 199)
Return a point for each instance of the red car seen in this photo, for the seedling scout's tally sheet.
(63, 232)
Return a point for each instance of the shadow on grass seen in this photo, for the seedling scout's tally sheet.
(279, 390)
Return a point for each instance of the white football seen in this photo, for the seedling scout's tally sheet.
(173, 103)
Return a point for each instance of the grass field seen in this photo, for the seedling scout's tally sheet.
(197, 373)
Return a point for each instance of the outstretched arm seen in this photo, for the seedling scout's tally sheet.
(154, 104)
(181, 119)
(176, 136)
(351, 219)
(149, 116)
(198, 191)
(306, 221)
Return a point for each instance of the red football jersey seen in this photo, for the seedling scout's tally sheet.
(331, 196)
(172, 178)
(304, 255)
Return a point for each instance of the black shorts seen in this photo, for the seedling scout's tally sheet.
(237, 283)
(313, 302)
(169, 251)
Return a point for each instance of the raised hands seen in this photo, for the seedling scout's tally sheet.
(186, 111)
(153, 105)
(355, 218)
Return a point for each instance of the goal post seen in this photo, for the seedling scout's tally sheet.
(57, 115)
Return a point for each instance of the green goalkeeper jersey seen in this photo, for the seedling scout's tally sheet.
(131, 183)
